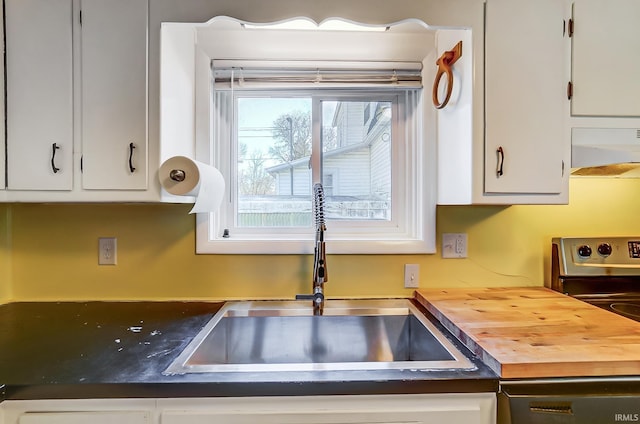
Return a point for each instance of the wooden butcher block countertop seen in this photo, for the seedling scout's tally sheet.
(534, 332)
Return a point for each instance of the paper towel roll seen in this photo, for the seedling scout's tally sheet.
(197, 179)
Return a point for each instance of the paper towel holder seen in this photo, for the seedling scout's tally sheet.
(177, 175)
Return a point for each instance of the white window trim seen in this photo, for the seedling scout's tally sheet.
(420, 169)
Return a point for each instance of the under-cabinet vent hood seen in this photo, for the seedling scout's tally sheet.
(605, 151)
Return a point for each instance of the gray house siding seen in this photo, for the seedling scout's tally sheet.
(352, 170)
(349, 120)
(381, 169)
(301, 182)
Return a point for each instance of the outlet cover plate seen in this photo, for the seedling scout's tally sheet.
(107, 251)
(454, 245)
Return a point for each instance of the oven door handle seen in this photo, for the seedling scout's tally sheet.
(563, 408)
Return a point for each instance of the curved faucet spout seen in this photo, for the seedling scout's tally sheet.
(319, 253)
(319, 257)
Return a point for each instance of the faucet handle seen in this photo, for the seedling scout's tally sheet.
(317, 297)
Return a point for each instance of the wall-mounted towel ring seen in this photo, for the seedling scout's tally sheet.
(444, 63)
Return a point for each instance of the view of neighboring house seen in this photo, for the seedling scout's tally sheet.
(356, 172)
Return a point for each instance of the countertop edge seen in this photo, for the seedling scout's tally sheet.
(471, 344)
(248, 389)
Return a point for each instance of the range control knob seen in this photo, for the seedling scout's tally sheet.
(604, 249)
(584, 251)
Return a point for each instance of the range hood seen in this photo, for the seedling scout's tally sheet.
(605, 152)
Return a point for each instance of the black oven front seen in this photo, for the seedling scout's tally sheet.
(570, 401)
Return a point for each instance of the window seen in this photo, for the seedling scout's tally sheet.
(274, 121)
(279, 142)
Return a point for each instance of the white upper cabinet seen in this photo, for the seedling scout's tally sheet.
(525, 138)
(606, 58)
(77, 101)
(604, 86)
(2, 113)
(114, 94)
(518, 151)
(91, 93)
(39, 94)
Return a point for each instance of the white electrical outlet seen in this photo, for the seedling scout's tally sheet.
(411, 276)
(107, 251)
(454, 245)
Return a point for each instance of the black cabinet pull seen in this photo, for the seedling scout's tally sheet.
(500, 153)
(131, 147)
(54, 147)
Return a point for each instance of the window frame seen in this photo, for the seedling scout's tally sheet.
(316, 161)
(406, 232)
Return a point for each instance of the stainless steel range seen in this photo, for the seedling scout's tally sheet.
(603, 271)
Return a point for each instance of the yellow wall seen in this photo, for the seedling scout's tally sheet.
(54, 251)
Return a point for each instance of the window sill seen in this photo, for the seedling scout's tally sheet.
(305, 244)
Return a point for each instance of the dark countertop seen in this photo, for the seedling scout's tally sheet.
(120, 349)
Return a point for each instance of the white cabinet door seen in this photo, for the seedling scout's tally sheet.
(114, 94)
(606, 58)
(525, 81)
(375, 409)
(39, 94)
(78, 411)
(93, 417)
(2, 109)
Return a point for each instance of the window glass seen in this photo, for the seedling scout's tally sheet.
(273, 161)
(356, 159)
(273, 176)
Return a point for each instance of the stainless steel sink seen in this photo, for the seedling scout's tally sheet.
(351, 335)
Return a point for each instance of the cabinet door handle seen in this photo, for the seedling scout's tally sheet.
(54, 147)
(500, 153)
(131, 167)
(444, 63)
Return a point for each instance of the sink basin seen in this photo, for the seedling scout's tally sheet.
(351, 335)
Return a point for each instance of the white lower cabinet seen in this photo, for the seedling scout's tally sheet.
(78, 411)
(371, 409)
(458, 408)
(94, 417)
